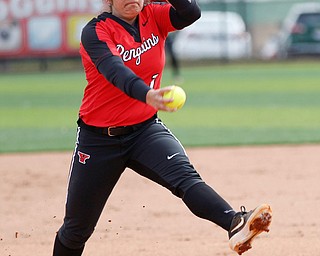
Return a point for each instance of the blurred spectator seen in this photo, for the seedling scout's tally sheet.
(174, 61)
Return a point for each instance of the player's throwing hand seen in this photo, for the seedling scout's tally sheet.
(155, 98)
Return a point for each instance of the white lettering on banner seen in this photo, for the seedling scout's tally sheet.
(44, 6)
(22, 8)
(135, 53)
(61, 5)
(19, 9)
(78, 5)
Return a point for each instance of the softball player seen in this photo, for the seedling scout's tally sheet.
(122, 52)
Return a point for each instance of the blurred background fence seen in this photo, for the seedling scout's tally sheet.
(50, 30)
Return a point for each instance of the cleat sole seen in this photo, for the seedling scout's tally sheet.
(258, 222)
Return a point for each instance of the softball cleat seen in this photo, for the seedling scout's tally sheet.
(245, 226)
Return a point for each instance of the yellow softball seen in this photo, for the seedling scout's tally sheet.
(178, 95)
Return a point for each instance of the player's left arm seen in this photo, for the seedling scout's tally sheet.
(183, 13)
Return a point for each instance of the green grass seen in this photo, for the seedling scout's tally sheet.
(235, 104)
(39, 111)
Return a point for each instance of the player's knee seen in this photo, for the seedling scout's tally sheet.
(74, 238)
(183, 187)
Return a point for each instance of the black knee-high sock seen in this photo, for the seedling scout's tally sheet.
(205, 203)
(60, 250)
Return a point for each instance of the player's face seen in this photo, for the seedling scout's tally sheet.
(127, 10)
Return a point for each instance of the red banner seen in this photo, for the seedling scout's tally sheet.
(41, 28)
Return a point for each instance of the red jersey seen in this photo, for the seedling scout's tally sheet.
(141, 49)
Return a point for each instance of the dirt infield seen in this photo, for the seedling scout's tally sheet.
(141, 218)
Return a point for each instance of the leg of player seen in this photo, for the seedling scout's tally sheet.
(93, 176)
(163, 160)
(242, 227)
(60, 250)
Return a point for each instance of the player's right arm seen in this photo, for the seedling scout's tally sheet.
(108, 62)
(155, 99)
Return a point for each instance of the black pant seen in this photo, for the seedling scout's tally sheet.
(98, 162)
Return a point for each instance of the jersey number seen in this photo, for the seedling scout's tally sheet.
(153, 81)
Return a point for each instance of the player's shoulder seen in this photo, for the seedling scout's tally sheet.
(90, 27)
(101, 17)
(89, 31)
